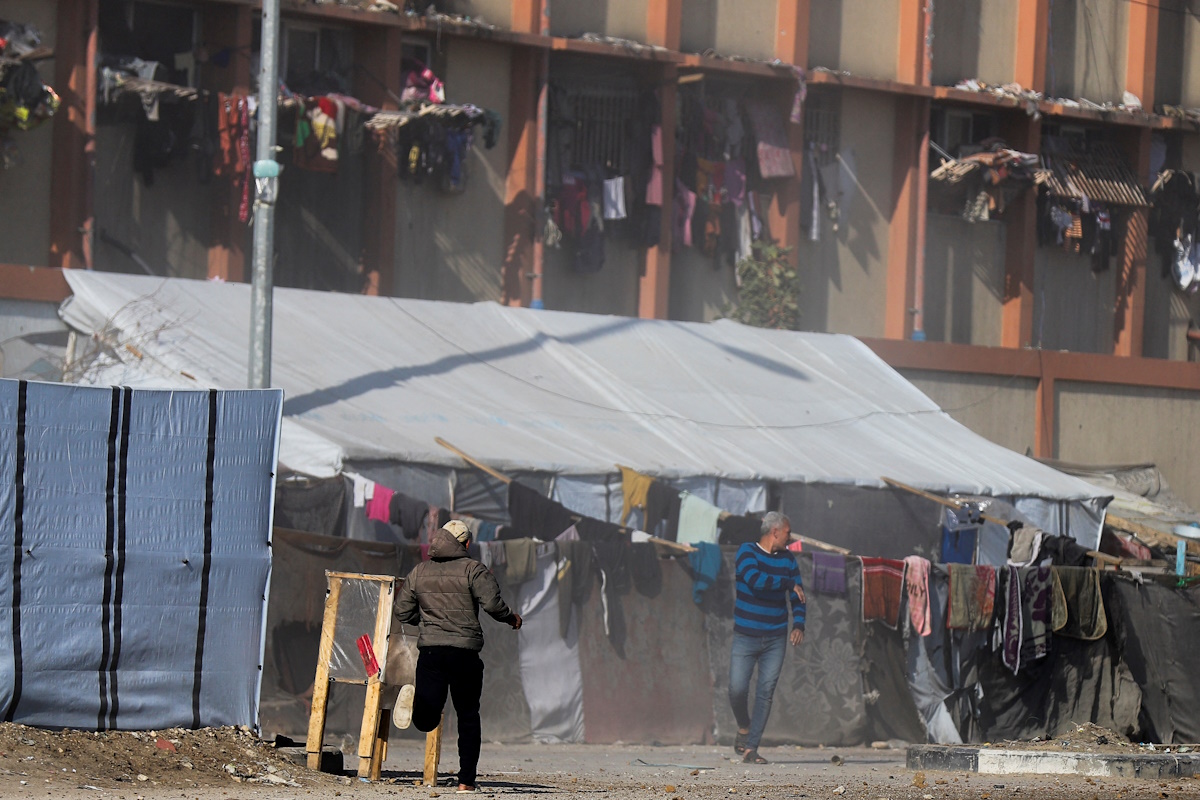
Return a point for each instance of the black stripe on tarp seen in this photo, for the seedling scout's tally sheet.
(110, 527)
(119, 589)
(209, 476)
(18, 544)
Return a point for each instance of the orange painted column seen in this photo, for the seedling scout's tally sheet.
(378, 52)
(1045, 418)
(1033, 25)
(664, 19)
(227, 27)
(791, 47)
(520, 202)
(74, 135)
(1025, 134)
(1141, 51)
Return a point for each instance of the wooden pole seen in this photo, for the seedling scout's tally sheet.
(942, 501)
(316, 717)
(433, 754)
(371, 707)
(476, 464)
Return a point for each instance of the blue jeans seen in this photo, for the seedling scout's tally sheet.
(767, 652)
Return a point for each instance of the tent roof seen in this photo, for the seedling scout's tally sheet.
(568, 393)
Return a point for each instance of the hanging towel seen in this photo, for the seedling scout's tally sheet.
(634, 488)
(521, 557)
(379, 506)
(364, 490)
(574, 578)
(1058, 603)
(972, 597)
(829, 573)
(1036, 610)
(1012, 631)
(705, 561)
(916, 581)
(697, 520)
(645, 569)
(883, 588)
(1026, 545)
(958, 546)
(614, 198)
(1086, 618)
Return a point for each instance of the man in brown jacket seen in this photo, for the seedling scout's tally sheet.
(443, 595)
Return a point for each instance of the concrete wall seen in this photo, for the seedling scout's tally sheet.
(843, 276)
(625, 19)
(730, 27)
(1088, 56)
(1115, 424)
(451, 246)
(1168, 314)
(999, 409)
(974, 39)
(493, 12)
(1072, 307)
(700, 292)
(1173, 25)
(1189, 65)
(859, 36)
(964, 280)
(25, 188)
(166, 224)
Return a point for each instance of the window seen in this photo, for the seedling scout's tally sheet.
(960, 132)
(316, 60)
(152, 31)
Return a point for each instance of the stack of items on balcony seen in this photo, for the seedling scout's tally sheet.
(1175, 226)
(985, 182)
(25, 101)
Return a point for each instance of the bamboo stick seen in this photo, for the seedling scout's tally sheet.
(942, 501)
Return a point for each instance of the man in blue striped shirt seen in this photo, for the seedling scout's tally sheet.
(767, 578)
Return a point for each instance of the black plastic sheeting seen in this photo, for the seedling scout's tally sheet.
(1158, 632)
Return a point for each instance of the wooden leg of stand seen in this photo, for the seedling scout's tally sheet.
(379, 755)
(433, 754)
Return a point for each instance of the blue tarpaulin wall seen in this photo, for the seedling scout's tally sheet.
(134, 554)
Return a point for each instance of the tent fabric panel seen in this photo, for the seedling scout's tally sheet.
(564, 393)
(658, 687)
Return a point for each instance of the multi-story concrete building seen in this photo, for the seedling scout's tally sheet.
(1034, 304)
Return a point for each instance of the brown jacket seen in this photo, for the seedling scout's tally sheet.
(444, 595)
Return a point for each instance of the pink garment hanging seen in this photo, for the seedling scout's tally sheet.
(685, 206)
(654, 187)
(916, 580)
(378, 507)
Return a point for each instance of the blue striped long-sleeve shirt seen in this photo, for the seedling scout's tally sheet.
(764, 586)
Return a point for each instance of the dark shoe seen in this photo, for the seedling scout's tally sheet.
(752, 757)
(739, 743)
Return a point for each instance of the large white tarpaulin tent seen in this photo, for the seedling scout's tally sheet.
(135, 526)
(372, 379)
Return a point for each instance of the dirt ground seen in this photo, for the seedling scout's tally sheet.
(231, 764)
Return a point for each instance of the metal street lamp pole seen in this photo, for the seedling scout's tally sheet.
(266, 178)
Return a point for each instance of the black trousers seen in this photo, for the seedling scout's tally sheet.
(459, 672)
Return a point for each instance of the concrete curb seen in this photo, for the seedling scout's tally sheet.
(991, 761)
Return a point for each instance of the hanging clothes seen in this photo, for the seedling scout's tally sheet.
(883, 590)
(685, 206)
(379, 506)
(697, 520)
(535, 515)
(829, 573)
(773, 150)
(916, 582)
(1086, 618)
(634, 488)
(738, 529)
(654, 187)
(614, 198)
(1026, 544)
(408, 513)
(705, 562)
(520, 557)
(662, 511)
(972, 597)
